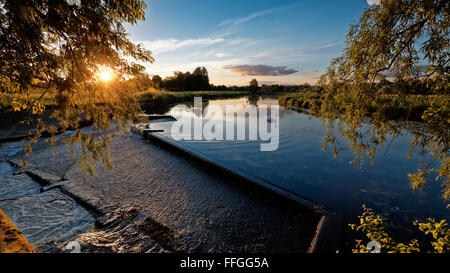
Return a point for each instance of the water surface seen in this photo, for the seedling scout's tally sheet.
(301, 165)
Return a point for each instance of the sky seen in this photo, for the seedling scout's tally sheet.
(276, 42)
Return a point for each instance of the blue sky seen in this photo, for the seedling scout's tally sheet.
(284, 42)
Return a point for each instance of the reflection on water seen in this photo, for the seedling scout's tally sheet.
(300, 165)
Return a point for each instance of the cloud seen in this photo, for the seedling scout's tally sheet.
(240, 41)
(161, 46)
(247, 18)
(260, 70)
(221, 55)
(238, 21)
(328, 45)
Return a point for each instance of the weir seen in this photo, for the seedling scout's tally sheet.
(326, 236)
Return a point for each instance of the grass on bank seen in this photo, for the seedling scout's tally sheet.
(158, 101)
(150, 96)
(411, 107)
(46, 98)
(11, 239)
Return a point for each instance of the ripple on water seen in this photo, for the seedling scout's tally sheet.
(10, 149)
(42, 217)
(5, 169)
(48, 216)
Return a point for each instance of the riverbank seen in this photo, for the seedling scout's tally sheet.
(17, 125)
(411, 109)
(159, 101)
(11, 239)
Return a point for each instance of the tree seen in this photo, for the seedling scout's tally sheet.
(56, 49)
(253, 86)
(195, 81)
(374, 229)
(200, 79)
(156, 79)
(143, 81)
(397, 48)
(406, 42)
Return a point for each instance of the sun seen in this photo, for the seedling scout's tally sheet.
(105, 74)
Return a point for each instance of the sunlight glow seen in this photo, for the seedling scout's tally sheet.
(105, 74)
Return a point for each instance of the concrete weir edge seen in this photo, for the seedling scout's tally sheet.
(326, 235)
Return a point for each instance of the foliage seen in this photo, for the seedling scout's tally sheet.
(142, 81)
(372, 226)
(58, 48)
(396, 47)
(197, 80)
(276, 88)
(253, 86)
(397, 112)
(264, 89)
(440, 233)
(156, 80)
(159, 101)
(228, 88)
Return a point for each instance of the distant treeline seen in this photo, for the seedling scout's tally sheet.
(189, 81)
(198, 80)
(422, 87)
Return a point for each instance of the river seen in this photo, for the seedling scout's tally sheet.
(301, 165)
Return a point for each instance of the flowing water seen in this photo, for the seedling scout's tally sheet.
(301, 165)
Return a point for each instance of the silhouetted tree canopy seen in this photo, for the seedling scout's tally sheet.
(253, 86)
(395, 49)
(198, 80)
(56, 49)
(143, 81)
(156, 79)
